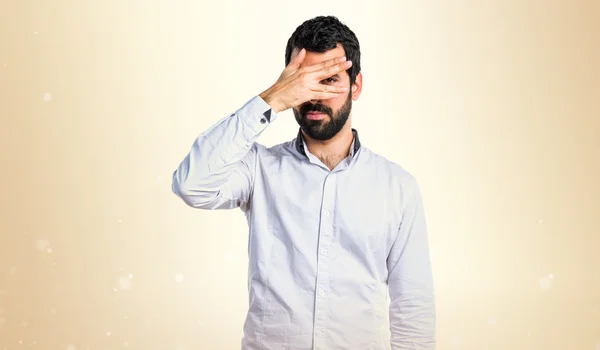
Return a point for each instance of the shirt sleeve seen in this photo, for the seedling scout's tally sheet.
(218, 172)
(412, 302)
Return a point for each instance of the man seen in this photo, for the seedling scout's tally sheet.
(333, 226)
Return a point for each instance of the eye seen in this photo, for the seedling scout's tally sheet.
(330, 80)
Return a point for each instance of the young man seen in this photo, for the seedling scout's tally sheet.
(334, 227)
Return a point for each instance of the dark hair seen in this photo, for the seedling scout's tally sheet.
(323, 33)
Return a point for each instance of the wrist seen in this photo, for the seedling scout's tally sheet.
(272, 101)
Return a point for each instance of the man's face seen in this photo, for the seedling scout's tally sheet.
(336, 110)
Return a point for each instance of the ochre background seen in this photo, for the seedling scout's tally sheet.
(493, 106)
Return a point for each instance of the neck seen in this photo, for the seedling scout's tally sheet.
(336, 147)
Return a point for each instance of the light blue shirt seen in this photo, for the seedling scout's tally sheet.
(337, 259)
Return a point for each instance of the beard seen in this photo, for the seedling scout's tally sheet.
(328, 127)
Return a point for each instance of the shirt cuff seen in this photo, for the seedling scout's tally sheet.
(257, 114)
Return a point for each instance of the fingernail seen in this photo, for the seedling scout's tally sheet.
(348, 63)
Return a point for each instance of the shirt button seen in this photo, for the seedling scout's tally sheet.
(321, 293)
(324, 251)
(326, 213)
(263, 120)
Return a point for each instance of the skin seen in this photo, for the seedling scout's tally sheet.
(302, 87)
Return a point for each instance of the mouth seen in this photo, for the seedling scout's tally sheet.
(315, 115)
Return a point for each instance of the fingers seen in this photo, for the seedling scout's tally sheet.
(333, 70)
(329, 88)
(325, 92)
(324, 95)
(324, 65)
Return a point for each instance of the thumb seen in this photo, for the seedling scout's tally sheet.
(298, 59)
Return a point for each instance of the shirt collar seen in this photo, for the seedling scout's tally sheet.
(353, 150)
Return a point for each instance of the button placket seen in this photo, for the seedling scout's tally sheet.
(323, 259)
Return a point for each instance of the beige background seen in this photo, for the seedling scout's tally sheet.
(493, 106)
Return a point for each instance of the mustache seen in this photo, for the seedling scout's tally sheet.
(315, 108)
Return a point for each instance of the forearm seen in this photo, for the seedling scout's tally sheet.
(410, 278)
(413, 322)
(221, 154)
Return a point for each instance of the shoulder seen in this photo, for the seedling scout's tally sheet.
(277, 151)
(400, 182)
(394, 170)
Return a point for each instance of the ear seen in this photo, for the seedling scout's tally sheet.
(357, 87)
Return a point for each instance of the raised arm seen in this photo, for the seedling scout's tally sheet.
(412, 308)
(218, 171)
